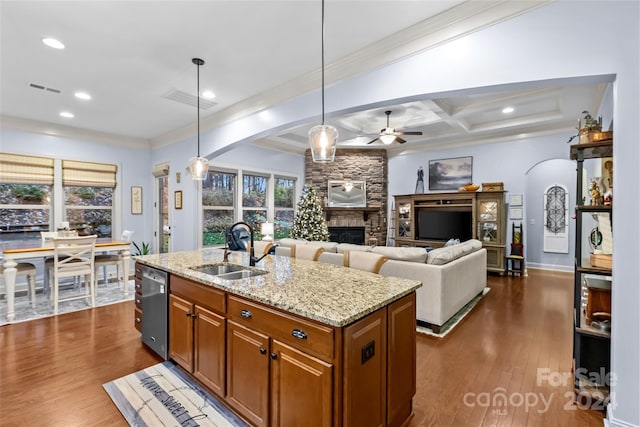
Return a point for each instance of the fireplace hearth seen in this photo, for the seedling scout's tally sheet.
(354, 235)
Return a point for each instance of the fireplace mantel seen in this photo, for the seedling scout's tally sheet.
(365, 211)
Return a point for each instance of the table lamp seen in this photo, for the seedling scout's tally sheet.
(266, 229)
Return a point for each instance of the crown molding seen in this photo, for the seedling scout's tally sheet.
(70, 132)
(451, 24)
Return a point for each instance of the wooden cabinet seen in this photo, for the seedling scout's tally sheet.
(277, 369)
(592, 340)
(197, 334)
(491, 225)
(248, 373)
(464, 215)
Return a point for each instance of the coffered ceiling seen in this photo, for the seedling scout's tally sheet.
(134, 59)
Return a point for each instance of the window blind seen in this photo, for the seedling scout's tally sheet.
(88, 174)
(21, 169)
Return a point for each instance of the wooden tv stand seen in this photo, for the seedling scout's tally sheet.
(488, 220)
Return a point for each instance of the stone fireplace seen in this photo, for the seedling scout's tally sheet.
(357, 165)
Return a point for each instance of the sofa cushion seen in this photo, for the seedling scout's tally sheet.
(444, 255)
(401, 254)
(287, 242)
(327, 246)
(351, 247)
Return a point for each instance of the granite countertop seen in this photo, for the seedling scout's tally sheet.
(327, 293)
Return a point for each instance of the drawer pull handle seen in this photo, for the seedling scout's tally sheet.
(246, 314)
(263, 350)
(300, 334)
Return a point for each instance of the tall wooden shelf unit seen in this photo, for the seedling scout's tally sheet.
(591, 345)
(488, 220)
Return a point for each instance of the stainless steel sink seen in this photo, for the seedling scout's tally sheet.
(229, 271)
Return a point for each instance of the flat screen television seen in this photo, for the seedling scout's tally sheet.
(443, 225)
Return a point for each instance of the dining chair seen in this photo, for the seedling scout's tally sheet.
(302, 251)
(365, 261)
(106, 260)
(73, 257)
(260, 247)
(27, 270)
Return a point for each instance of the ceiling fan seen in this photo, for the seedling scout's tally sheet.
(388, 135)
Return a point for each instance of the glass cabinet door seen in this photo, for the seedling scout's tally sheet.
(404, 220)
(488, 223)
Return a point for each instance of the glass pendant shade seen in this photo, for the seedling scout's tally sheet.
(198, 168)
(323, 139)
(387, 139)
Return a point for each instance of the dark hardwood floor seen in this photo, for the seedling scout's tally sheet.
(52, 370)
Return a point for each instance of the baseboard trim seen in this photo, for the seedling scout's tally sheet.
(611, 421)
(552, 267)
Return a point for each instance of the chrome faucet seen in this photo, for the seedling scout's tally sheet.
(252, 256)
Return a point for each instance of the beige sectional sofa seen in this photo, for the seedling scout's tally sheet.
(451, 276)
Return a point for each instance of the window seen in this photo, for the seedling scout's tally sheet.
(88, 196)
(218, 205)
(258, 197)
(26, 188)
(254, 201)
(284, 203)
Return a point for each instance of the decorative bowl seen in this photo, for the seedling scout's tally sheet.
(471, 187)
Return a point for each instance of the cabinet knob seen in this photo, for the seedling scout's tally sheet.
(274, 356)
(138, 301)
(263, 350)
(188, 314)
(246, 314)
(194, 315)
(299, 333)
(138, 320)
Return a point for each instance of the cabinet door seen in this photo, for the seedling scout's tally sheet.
(404, 213)
(181, 332)
(301, 388)
(248, 373)
(209, 350)
(488, 221)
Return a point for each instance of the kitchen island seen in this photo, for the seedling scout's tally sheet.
(297, 343)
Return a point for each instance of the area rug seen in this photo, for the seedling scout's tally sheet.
(109, 293)
(162, 395)
(457, 318)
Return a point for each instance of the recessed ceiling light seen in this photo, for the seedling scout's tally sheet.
(67, 115)
(82, 95)
(507, 110)
(56, 44)
(208, 94)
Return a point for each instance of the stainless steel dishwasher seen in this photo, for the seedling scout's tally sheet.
(155, 298)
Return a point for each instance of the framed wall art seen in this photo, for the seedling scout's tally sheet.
(177, 199)
(450, 174)
(136, 200)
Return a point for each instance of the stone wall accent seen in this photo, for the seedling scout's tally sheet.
(357, 165)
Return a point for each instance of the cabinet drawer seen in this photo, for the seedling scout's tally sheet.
(300, 333)
(205, 296)
(138, 318)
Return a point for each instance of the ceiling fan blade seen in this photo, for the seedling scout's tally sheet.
(409, 133)
(400, 140)
(372, 141)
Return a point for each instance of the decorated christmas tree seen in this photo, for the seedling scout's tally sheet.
(309, 222)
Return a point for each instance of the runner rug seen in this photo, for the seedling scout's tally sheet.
(455, 319)
(162, 395)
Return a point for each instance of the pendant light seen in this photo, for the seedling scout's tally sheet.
(323, 138)
(198, 166)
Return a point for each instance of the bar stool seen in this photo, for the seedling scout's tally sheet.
(365, 261)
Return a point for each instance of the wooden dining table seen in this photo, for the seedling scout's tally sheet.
(19, 250)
